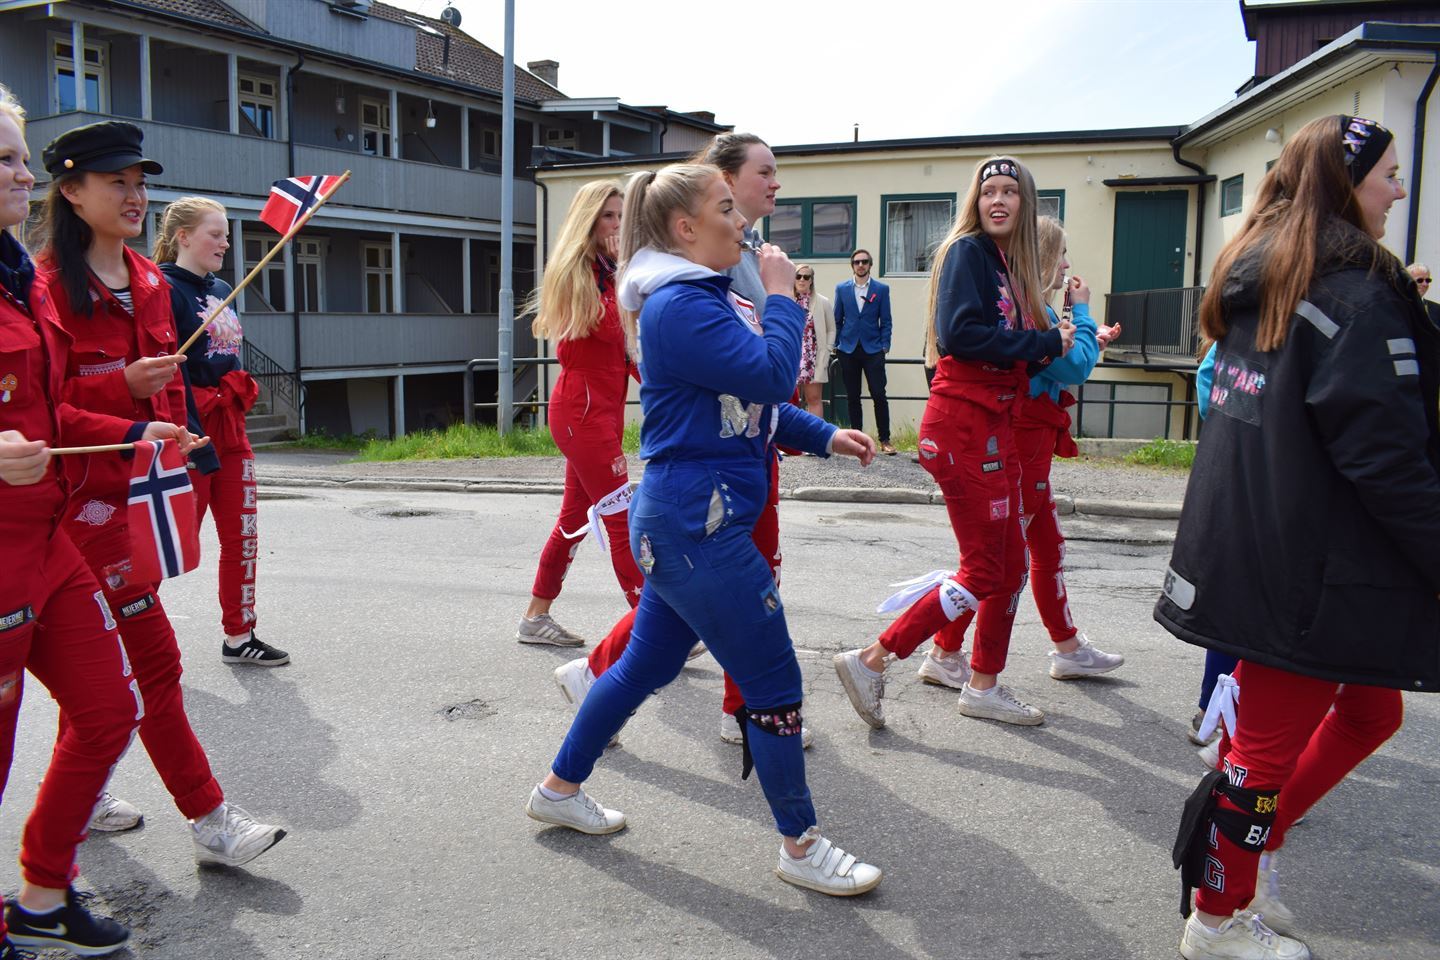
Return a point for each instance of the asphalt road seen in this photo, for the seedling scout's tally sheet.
(401, 744)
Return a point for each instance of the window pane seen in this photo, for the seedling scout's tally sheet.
(1232, 195)
(913, 228)
(372, 293)
(1050, 207)
(785, 227)
(65, 90)
(831, 228)
(277, 293)
(92, 93)
(64, 51)
(369, 113)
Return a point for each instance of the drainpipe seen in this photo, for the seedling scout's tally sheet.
(1422, 106)
(543, 257)
(295, 277)
(1199, 209)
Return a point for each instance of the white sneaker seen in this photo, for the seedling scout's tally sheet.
(945, 669)
(577, 811)
(1086, 661)
(998, 703)
(730, 731)
(1210, 755)
(230, 836)
(864, 688)
(575, 680)
(112, 815)
(827, 869)
(696, 651)
(1266, 902)
(1243, 937)
(544, 629)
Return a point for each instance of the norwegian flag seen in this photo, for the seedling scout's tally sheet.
(164, 537)
(290, 199)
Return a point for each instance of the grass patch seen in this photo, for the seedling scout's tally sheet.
(320, 440)
(1174, 454)
(458, 442)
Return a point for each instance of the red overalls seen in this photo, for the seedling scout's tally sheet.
(967, 443)
(105, 342)
(1042, 432)
(587, 420)
(230, 494)
(53, 617)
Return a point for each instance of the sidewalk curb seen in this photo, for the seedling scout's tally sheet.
(1065, 505)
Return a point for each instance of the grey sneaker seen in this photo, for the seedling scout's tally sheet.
(1194, 732)
(1087, 661)
(577, 811)
(544, 629)
(945, 669)
(864, 688)
(998, 703)
(230, 836)
(112, 815)
(696, 651)
(827, 869)
(730, 731)
(1243, 937)
(1266, 903)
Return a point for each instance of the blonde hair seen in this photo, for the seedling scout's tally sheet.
(651, 199)
(1022, 260)
(10, 107)
(1050, 247)
(182, 214)
(567, 303)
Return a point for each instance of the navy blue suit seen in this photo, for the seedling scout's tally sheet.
(862, 338)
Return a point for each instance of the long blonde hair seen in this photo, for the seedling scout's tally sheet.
(182, 214)
(567, 303)
(10, 107)
(1050, 246)
(1022, 259)
(651, 198)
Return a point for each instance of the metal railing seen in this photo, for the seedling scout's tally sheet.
(1162, 323)
(283, 386)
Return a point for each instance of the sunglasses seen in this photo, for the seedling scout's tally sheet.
(811, 276)
(859, 263)
(1425, 280)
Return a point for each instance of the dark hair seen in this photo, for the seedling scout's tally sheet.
(864, 251)
(67, 240)
(1308, 185)
(728, 151)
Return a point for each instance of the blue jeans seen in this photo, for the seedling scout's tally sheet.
(713, 587)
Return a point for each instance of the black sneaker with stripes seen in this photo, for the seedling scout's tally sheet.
(253, 651)
(71, 927)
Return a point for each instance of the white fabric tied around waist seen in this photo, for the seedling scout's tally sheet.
(1223, 700)
(954, 598)
(616, 501)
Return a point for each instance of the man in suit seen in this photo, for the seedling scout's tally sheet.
(1422, 277)
(862, 338)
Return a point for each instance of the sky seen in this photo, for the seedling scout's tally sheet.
(796, 72)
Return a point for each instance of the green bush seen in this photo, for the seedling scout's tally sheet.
(1176, 454)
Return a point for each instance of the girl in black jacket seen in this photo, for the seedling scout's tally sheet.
(1307, 544)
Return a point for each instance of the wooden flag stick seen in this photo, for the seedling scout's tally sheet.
(265, 260)
(103, 448)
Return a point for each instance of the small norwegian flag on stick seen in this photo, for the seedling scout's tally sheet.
(291, 205)
(164, 537)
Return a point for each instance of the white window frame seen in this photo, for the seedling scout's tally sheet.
(561, 138)
(490, 143)
(101, 70)
(259, 99)
(383, 131)
(882, 267)
(384, 271)
(274, 271)
(310, 253)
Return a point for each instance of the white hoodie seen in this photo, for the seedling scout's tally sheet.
(651, 269)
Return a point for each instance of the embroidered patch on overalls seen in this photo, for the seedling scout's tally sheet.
(16, 618)
(929, 449)
(992, 466)
(647, 555)
(770, 599)
(1000, 509)
(8, 384)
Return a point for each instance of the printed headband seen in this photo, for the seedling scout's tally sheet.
(1364, 142)
(1000, 168)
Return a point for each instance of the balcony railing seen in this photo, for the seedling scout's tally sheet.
(211, 161)
(1159, 325)
(339, 340)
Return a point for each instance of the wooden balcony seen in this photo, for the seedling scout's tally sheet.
(368, 340)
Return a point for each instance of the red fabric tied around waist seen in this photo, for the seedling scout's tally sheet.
(999, 391)
(222, 409)
(1042, 413)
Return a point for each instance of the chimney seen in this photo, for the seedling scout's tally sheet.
(547, 70)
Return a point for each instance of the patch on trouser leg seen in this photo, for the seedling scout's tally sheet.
(955, 599)
(1014, 605)
(16, 619)
(1203, 819)
(770, 599)
(138, 606)
(783, 721)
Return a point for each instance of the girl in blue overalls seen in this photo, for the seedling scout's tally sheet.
(714, 392)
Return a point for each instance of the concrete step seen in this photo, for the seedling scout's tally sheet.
(266, 421)
(269, 435)
(261, 408)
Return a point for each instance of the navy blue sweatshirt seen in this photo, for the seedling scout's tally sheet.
(976, 317)
(217, 352)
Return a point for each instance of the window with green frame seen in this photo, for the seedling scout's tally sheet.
(911, 227)
(1052, 203)
(1232, 195)
(813, 227)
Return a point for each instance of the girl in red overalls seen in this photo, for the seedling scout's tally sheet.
(116, 305)
(989, 332)
(575, 307)
(1042, 433)
(53, 617)
(192, 244)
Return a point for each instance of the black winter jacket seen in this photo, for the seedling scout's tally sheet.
(1310, 536)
